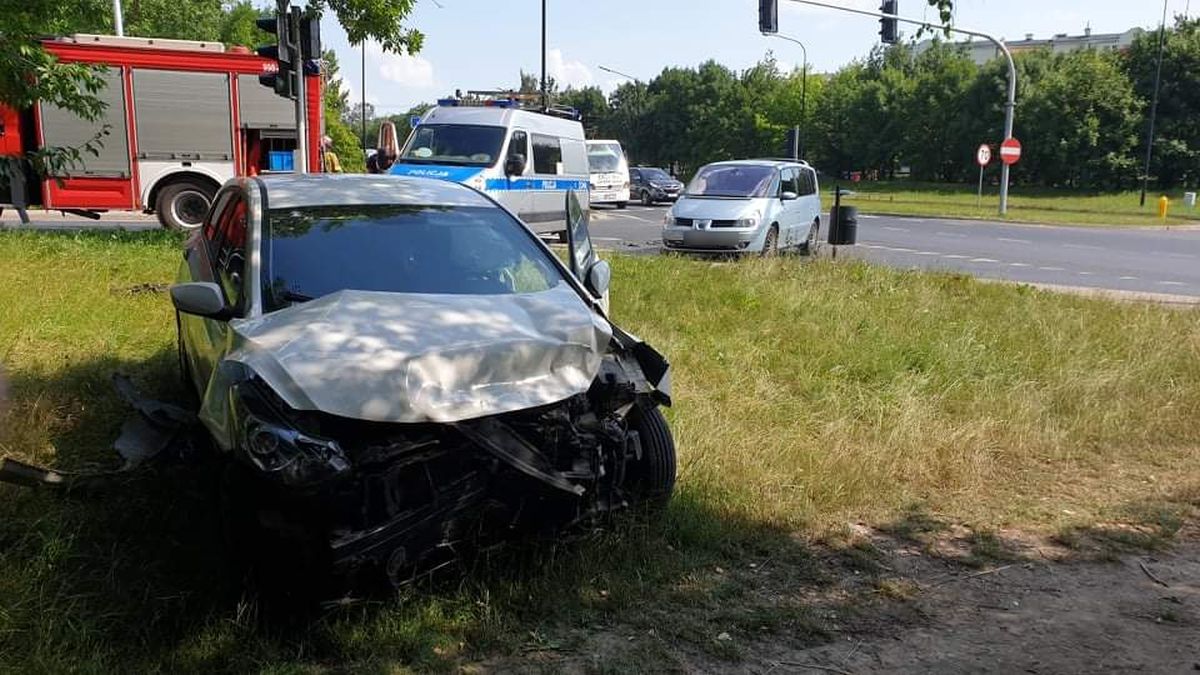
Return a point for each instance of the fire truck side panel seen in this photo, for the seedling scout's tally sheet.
(101, 181)
(184, 126)
(10, 134)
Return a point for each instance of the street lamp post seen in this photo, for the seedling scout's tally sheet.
(1162, 27)
(635, 114)
(803, 87)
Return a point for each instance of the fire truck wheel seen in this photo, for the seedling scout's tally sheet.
(183, 204)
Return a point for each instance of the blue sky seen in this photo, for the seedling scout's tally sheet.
(472, 44)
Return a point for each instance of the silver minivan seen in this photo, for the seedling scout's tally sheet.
(747, 206)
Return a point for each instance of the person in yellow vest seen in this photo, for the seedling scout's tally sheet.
(329, 157)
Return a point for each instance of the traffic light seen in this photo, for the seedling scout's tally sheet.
(791, 144)
(888, 32)
(281, 52)
(310, 44)
(768, 16)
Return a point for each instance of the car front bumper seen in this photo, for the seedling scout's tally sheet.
(712, 240)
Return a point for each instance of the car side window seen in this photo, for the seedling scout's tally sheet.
(788, 182)
(519, 145)
(547, 155)
(209, 228)
(809, 184)
(230, 259)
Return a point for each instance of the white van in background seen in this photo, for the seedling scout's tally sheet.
(609, 173)
(527, 161)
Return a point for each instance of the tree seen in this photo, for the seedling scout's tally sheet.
(1176, 157)
(591, 104)
(336, 101)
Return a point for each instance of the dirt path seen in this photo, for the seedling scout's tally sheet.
(1033, 617)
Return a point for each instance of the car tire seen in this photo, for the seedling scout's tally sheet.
(183, 204)
(812, 245)
(647, 200)
(771, 243)
(652, 478)
(621, 205)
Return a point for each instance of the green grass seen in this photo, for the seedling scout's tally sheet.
(807, 396)
(1030, 205)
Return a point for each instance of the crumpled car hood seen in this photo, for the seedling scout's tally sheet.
(414, 357)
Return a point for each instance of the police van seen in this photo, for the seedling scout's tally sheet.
(525, 159)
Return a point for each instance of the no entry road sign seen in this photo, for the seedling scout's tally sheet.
(1010, 151)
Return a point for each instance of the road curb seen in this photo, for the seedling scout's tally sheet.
(1105, 293)
(1026, 223)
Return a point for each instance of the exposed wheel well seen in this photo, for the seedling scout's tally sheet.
(190, 176)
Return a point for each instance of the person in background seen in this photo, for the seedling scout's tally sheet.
(328, 157)
(387, 149)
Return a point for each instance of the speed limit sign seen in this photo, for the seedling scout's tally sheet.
(983, 156)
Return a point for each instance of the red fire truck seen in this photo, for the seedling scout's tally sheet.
(183, 117)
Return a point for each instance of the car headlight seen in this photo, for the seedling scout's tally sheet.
(287, 455)
(750, 221)
(293, 457)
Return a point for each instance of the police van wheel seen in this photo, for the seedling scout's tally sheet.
(621, 205)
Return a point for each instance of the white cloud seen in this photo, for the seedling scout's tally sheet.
(409, 70)
(567, 73)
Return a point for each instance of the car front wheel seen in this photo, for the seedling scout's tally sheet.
(652, 478)
(647, 200)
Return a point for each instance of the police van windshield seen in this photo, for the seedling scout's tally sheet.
(459, 144)
(604, 157)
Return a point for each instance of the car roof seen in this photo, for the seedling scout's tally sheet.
(285, 191)
(777, 163)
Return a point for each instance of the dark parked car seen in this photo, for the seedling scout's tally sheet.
(393, 368)
(650, 185)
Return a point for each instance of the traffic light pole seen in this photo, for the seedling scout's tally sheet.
(1009, 105)
(300, 165)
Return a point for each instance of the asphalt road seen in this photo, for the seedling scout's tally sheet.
(1125, 259)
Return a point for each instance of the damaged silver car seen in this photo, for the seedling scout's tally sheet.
(395, 366)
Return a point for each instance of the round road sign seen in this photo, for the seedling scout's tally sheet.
(983, 156)
(1010, 151)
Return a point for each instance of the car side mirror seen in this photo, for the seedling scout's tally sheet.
(514, 165)
(788, 196)
(201, 298)
(599, 276)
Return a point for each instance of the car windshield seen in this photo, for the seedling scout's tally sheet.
(604, 158)
(732, 180)
(313, 251)
(655, 174)
(461, 144)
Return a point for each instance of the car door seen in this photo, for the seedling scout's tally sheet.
(789, 215)
(518, 197)
(635, 183)
(227, 255)
(546, 198)
(582, 258)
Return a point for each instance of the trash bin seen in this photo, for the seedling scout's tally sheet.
(843, 225)
(1189, 200)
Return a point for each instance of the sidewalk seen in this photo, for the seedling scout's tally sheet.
(47, 218)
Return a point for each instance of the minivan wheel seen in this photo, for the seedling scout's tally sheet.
(646, 200)
(771, 244)
(813, 244)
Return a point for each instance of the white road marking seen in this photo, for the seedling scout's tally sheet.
(1171, 283)
(1084, 274)
(607, 239)
(927, 253)
(984, 260)
(955, 256)
(951, 234)
(1052, 269)
(895, 229)
(1018, 264)
(1014, 241)
(868, 217)
(1127, 278)
(900, 249)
